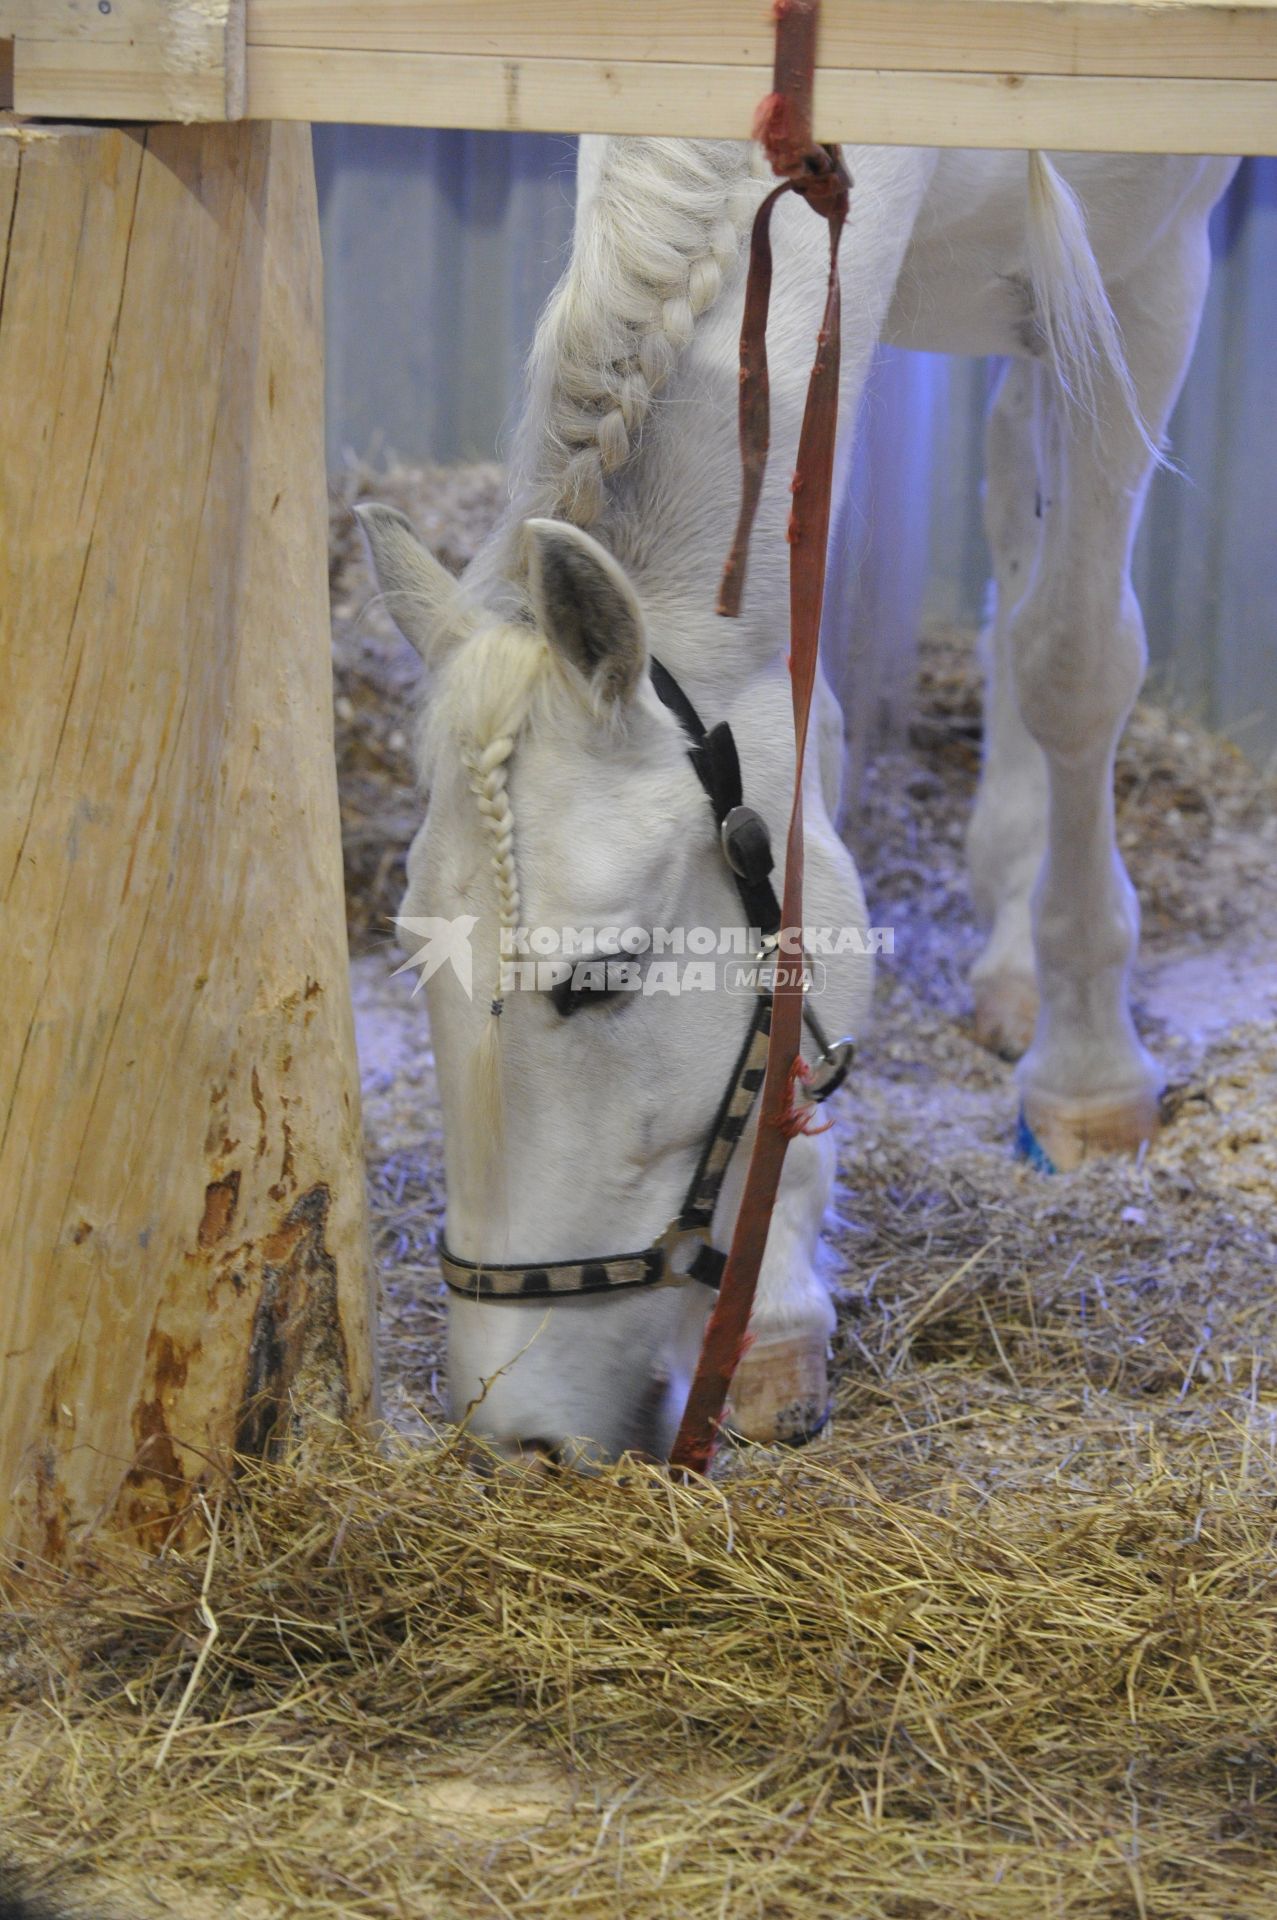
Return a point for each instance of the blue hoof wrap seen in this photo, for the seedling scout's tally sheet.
(1029, 1149)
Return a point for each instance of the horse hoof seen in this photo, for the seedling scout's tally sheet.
(780, 1392)
(1058, 1136)
(1006, 1012)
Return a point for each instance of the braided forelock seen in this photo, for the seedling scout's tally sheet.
(486, 693)
(489, 783)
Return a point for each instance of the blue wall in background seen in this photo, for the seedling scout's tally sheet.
(439, 252)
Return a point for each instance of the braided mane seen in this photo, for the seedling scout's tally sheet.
(652, 247)
(661, 230)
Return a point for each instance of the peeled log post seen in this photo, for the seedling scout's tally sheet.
(183, 1257)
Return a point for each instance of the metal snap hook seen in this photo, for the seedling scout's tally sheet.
(830, 1069)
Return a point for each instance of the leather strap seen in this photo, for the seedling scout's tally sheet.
(717, 764)
(817, 173)
(554, 1279)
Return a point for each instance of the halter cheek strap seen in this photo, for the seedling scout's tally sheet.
(743, 834)
(683, 1252)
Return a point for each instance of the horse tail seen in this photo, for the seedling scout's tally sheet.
(1072, 309)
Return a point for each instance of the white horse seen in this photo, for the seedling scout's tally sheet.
(561, 793)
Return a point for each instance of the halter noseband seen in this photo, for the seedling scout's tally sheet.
(685, 1251)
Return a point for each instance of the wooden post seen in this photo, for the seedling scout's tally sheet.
(183, 1258)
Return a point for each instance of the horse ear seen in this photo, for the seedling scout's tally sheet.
(586, 608)
(421, 596)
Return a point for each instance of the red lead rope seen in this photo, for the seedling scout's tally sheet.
(817, 173)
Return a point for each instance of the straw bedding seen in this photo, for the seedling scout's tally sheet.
(1003, 1646)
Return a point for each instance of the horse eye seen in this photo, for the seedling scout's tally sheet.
(590, 983)
(565, 998)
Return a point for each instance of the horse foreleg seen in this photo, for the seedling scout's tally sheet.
(1007, 834)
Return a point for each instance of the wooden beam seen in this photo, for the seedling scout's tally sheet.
(1143, 75)
(183, 1251)
(132, 59)
(879, 108)
(1198, 75)
(1185, 39)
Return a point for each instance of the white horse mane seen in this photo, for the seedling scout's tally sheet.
(660, 231)
(650, 255)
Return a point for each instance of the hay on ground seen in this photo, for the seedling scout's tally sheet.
(846, 1684)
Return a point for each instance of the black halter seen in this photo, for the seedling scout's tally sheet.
(685, 1250)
